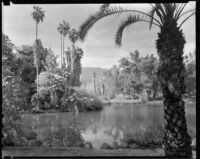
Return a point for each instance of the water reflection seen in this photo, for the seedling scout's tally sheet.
(113, 123)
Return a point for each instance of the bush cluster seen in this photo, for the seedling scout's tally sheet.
(53, 94)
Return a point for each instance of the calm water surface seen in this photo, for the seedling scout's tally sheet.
(114, 122)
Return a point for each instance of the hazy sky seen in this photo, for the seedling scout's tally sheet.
(99, 48)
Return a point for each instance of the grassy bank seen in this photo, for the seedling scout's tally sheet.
(27, 152)
(136, 101)
(79, 152)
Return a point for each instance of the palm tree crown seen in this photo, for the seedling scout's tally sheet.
(166, 12)
(73, 36)
(66, 28)
(38, 14)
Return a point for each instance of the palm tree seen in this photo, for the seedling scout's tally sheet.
(66, 31)
(94, 81)
(169, 45)
(38, 15)
(60, 30)
(73, 36)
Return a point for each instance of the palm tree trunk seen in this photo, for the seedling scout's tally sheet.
(170, 45)
(94, 81)
(72, 56)
(72, 65)
(36, 30)
(37, 78)
(61, 52)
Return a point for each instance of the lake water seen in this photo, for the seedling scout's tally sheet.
(114, 122)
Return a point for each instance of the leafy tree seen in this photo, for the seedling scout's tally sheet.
(51, 64)
(131, 74)
(190, 75)
(170, 44)
(13, 94)
(28, 70)
(149, 66)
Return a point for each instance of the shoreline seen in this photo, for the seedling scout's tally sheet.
(132, 101)
(114, 101)
(74, 151)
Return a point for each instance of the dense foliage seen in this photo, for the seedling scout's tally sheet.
(135, 75)
(14, 94)
(53, 94)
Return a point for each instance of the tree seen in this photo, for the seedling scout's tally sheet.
(66, 31)
(190, 75)
(77, 66)
(94, 81)
(131, 74)
(60, 30)
(169, 45)
(63, 29)
(73, 36)
(14, 94)
(51, 64)
(149, 67)
(38, 50)
(38, 15)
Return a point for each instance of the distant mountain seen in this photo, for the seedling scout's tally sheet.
(86, 75)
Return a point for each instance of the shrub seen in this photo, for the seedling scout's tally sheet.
(63, 136)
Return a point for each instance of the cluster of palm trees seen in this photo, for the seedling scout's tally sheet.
(64, 29)
(169, 45)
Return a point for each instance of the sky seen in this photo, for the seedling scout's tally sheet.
(99, 48)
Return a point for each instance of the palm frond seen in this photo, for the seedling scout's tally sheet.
(180, 11)
(186, 19)
(131, 19)
(152, 12)
(128, 21)
(186, 12)
(151, 5)
(160, 12)
(99, 15)
(104, 6)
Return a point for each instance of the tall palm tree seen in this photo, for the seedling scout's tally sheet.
(66, 31)
(38, 15)
(169, 45)
(60, 30)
